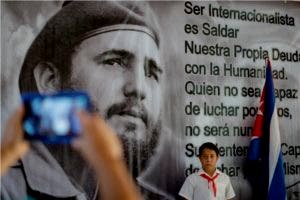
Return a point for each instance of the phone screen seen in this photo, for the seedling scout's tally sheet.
(53, 118)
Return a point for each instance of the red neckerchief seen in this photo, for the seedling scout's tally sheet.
(211, 179)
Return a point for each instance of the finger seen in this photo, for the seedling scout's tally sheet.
(16, 117)
(77, 144)
(85, 120)
(13, 127)
(82, 116)
(22, 149)
(11, 154)
(20, 113)
(18, 124)
(101, 125)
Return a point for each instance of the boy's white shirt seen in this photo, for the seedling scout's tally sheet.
(196, 187)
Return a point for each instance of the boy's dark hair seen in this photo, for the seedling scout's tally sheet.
(208, 145)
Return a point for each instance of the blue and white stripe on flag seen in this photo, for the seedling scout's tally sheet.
(264, 165)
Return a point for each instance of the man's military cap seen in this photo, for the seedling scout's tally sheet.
(78, 20)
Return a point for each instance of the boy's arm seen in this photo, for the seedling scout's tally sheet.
(230, 194)
(187, 189)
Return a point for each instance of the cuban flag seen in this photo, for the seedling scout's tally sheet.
(264, 164)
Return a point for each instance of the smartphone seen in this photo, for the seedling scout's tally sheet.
(53, 118)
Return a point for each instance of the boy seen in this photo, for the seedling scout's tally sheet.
(208, 183)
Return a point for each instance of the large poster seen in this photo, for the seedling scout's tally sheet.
(180, 73)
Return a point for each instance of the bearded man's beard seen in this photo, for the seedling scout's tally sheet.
(138, 152)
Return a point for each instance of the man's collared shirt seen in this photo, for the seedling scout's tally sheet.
(40, 173)
(196, 187)
(165, 173)
(38, 176)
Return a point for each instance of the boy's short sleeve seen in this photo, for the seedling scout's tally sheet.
(187, 189)
(229, 190)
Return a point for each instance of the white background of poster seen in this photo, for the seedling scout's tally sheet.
(20, 23)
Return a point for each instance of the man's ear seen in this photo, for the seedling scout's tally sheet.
(47, 77)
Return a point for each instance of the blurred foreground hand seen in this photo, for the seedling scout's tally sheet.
(13, 145)
(100, 145)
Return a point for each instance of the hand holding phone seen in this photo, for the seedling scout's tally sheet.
(13, 145)
(53, 118)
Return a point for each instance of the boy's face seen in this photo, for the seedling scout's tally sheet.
(209, 160)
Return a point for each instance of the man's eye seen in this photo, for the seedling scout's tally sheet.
(152, 71)
(152, 74)
(113, 61)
